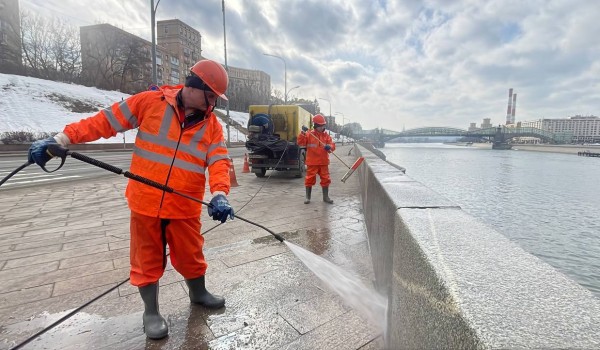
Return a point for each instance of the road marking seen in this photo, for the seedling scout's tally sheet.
(30, 175)
(85, 167)
(40, 180)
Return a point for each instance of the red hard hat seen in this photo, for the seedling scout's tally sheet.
(213, 75)
(319, 119)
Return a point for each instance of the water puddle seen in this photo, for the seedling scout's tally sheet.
(364, 300)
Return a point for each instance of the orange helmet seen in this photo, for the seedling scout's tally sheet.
(213, 75)
(319, 120)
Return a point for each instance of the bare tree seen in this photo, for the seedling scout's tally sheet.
(114, 59)
(277, 97)
(50, 48)
(34, 39)
(133, 65)
(66, 50)
(99, 59)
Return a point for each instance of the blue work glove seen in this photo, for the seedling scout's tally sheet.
(38, 152)
(327, 148)
(219, 208)
(304, 129)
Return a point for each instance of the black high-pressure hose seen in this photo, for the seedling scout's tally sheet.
(14, 172)
(62, 152)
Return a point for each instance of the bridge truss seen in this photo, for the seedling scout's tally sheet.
(500, 133)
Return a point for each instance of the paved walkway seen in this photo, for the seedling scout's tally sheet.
(62, 245)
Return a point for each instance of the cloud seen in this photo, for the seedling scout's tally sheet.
(388, 63)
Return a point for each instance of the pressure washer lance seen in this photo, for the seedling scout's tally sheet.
(59, 151)
(351, 168)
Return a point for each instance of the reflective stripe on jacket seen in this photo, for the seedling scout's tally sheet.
(164, 151)
(315, 151)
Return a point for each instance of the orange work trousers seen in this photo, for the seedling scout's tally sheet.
(149, 238)
(311, 175)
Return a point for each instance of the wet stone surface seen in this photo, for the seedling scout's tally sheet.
(54, 258)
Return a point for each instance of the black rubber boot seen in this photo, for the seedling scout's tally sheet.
(326, 198)
(199, 294)
(308, 191)
(155, 325)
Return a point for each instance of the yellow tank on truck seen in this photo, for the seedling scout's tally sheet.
(287, 119)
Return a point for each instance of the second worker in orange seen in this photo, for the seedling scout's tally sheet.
(318, 145)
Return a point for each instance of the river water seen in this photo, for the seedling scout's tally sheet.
(548, 203)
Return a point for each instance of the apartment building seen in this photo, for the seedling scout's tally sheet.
(581, 129)
(247, 87)
(10, 37)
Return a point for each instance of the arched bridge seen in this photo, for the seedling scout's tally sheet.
(499, 135)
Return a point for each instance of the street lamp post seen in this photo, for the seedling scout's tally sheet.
(343, 118)
(284, 75)
(321, 98)
(295, 87)
(343, 124)
(153, 20)
(227, 70)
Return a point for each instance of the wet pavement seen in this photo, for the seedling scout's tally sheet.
(63, 245)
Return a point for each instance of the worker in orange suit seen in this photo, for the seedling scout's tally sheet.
(318, 145)
(179, 138)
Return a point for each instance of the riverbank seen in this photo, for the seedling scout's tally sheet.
(569, 149)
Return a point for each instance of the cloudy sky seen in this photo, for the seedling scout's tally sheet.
(394, 64)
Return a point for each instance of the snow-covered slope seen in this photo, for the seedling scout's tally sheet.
(37, 105)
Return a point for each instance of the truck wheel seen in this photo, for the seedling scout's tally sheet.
(261, 172)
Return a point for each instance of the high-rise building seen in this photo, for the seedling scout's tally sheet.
(486, 123)
(246, 86)
(185, 46)
(10, 37)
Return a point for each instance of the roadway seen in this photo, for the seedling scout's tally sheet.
(73, 170)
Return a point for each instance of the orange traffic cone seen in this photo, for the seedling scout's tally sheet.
(246, 168)
(232, 178)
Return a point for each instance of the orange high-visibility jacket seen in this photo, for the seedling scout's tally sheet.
(315, 151)
(164, 151)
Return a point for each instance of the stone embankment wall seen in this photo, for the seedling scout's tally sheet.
(454, 282)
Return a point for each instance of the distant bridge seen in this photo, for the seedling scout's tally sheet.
(499, 135)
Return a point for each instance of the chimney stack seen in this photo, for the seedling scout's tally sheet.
(514, 107)
(509, 109)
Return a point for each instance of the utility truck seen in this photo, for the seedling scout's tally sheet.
(272, 138)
